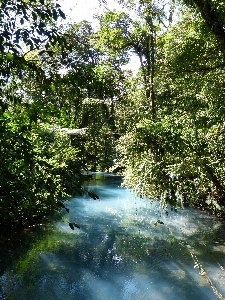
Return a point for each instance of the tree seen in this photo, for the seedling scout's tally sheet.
(177, 157)
(121, 33)
(25, 25)
(90, 86)
(213, 12)
(39, 167)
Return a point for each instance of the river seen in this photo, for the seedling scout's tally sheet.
(126, 248)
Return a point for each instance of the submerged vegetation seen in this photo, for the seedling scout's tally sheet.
(68, 104)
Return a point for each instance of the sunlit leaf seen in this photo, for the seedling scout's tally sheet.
(9, 56)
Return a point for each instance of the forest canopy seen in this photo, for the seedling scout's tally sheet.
(69, 104)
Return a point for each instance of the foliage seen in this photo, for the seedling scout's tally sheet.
(119, 35)
(57, 82)
(49, 82)
(25, 26)
(178, 158)
(88, 90)
(98, 145)
(39, 169)
(38, 166)
(212, 11)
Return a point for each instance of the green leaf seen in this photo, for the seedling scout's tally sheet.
(34, 16)
(42, 52)
(62, 15)
(158, 222)
(9, 56)
(55, 15)
(18, 34)
(23, 66)
(93, 195)
(60, 204)
(49, 12)
(73, 225)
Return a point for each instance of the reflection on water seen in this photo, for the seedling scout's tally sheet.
(122, 251)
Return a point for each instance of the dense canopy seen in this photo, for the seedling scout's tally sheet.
(69, 104)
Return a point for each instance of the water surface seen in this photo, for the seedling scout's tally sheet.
(127, 248)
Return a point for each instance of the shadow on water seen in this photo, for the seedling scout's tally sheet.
(120, 252)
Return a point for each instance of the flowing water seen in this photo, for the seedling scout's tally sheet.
(127, 248)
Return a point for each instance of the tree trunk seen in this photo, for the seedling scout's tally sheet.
(151, 65)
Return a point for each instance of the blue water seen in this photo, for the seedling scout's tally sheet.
(127, 248)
